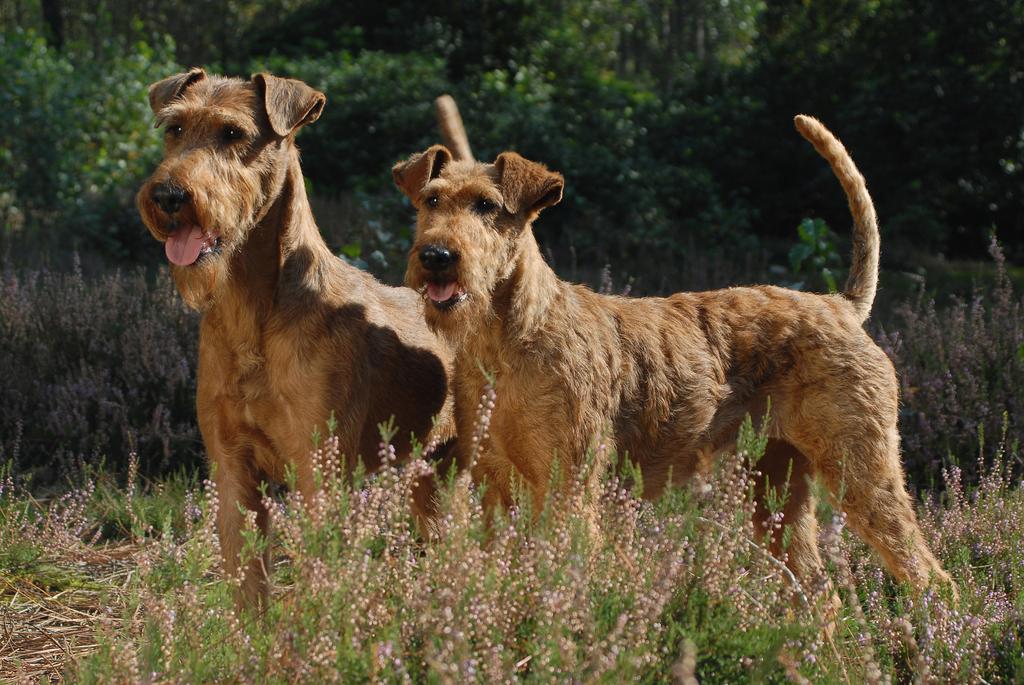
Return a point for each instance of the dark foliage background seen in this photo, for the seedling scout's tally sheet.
(671, 120)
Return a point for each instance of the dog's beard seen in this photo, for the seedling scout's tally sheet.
(199, 283)
(458, 325)
(459, 321)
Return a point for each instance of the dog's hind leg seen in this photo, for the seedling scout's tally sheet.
(786, 472)
(861, 468)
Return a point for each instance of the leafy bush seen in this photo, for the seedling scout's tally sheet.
(621, 199)
(365, 127)
(77, 140)
(94, 369)
(670, 120)
(613, 203)
(902, 85)
(815, 256)
(637, 188)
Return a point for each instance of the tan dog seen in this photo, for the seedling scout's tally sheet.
(671, 378)
(290, 333)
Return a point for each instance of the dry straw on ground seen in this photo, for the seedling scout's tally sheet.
(42, 628)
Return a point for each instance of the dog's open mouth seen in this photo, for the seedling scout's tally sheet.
(190, 243)
(444, 296)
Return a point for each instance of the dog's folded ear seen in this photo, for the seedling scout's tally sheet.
(290, 103)
(162, 92)
(415, 172)
(526, 186)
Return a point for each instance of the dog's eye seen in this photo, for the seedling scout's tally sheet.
(484, 206)
(432, 201)
(175, 130)
(230, 133)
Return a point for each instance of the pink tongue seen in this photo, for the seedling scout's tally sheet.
(183, 246)
(441, 292)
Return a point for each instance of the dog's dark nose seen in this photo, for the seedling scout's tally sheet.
(436, 257)
(169, 197)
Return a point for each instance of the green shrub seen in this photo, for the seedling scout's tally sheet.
(594, 130)
(77, 141)
(627, 195)
(366, 126)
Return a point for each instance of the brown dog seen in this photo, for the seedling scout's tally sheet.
(671, 378)
(290, 333)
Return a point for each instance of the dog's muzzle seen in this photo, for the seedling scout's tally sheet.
(437, 258)
(442, 289)
(169, 197)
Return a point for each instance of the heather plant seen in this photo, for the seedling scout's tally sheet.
(961, 368)
(681, 588)
(96, 367)
(99, 366)
(537, 596)
(122, 571)
(93, 369)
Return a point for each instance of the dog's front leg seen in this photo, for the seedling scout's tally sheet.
(235, 472)
(238, 493)
(531, 460)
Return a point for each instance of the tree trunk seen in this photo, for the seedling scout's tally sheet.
(54, 18)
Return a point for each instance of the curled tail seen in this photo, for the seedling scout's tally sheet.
(452, 131)
(863, 280)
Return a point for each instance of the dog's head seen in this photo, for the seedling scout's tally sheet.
(472, 220)
(226, 151)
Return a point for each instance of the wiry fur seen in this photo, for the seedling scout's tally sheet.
(668, 380)
(290, 334)
(863, 278)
